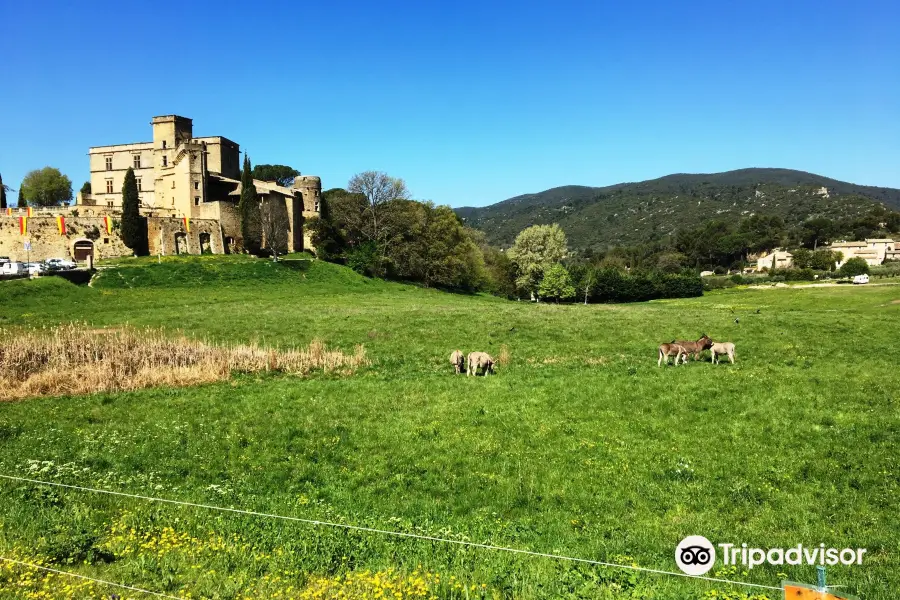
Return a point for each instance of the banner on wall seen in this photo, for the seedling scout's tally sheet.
(107, 222)
(23, 225)
(61, 224)
(187, 224)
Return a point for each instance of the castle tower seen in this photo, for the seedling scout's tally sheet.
(307, 195)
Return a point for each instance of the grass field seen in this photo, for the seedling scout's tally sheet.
(579, 445)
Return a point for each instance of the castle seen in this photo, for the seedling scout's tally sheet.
(188, 188)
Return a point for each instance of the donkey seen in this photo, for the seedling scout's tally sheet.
(667, 350)
(694, 348)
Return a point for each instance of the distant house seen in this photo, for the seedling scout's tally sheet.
(779, 258)
(874, 251)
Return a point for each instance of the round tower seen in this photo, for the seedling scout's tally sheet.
(310, 188)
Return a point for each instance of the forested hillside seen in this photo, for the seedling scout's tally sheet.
(651, 211)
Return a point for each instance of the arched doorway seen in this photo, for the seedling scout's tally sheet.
(83, 250)
(205, 244)
(181, 246)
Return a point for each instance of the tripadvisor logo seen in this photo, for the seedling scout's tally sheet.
(696, 555)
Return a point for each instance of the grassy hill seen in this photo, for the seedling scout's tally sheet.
(580, 445)
(629, 213)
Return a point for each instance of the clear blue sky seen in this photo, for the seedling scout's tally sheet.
(470, 102)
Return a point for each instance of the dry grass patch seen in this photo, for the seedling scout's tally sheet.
(73, 359)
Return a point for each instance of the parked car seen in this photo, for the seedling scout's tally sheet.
(861, 279)
(59, 264)
(11, 268)
(4, 260)
(35, 268)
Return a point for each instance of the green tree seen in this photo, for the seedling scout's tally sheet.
(535, 250)
(379, 190)
(280, 174)
(556, 284)
(46, 187)
(329, 238)
(251, 219)
(671, 262)
(802, 258)
(3, 189)
(815, 231)
(86, 187)
(134, 226)
(823, 260)
(854, 266)
(20, 201)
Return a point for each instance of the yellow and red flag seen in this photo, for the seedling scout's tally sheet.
(23, 225)
(61, 224)
(8, 211)
(29, 211)
(107, 222)
(187, 224)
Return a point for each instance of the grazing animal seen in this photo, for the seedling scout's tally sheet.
(722, 349)
(482, 361)
(667, 350)
(458, 360)
(694, 348)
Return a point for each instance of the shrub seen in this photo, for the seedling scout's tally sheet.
(363, 259)
(556, 284)
(853, 267)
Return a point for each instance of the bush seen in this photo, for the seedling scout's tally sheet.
(363, 259)
(612, 285)
(854, 267)
(737, 279)
(793, 275)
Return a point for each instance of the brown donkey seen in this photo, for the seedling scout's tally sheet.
(694, 348)
(667, 350)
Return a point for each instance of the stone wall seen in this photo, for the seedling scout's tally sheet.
(46, 241)
(168, 236)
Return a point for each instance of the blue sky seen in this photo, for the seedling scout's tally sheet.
(469, 102)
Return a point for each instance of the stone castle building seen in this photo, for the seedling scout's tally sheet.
(189, 188)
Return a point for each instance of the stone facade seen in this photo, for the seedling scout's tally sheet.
(47, 242)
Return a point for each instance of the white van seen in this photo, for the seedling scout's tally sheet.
(11, 268)
(861, 279)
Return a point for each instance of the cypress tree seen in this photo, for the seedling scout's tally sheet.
(21, 201)
(2, 193)
(134, 226)
(251, 219)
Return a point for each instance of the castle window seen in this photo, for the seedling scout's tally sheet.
(109, 163)
(138, 179)
(196, 200)
(164, 144)
(317, 206)
(137, 161)
(109, 186)
(165, 161)
(196, 185)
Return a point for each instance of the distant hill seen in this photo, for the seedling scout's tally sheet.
(629, 213)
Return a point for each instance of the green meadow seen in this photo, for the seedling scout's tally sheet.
(579, 445)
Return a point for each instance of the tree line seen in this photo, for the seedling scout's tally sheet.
(374, 227)
(722, 245)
